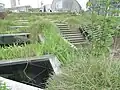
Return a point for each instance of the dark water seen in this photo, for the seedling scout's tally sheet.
(32, 73)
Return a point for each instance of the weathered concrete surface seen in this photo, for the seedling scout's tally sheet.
(36, 74)
(22, 20)
(16, 27)
(18, 38)
(13, 85)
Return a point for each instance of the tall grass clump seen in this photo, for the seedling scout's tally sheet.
(53, 44)
(4, 25)
(23, 51)
(94, 69)
(77, 20)
(88, 74)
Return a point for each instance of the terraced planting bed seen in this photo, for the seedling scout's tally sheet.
(82, 67)
(11, 36)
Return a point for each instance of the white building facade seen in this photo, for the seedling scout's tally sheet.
(2, 7)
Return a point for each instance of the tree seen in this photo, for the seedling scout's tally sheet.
(100, 6)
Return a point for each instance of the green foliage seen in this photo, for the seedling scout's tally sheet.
(103, 7)
(4, 25)
(77, 20)
(100, 35)
(82, 70)
(88, 73)
(54, 44)
(20, 51)
(102, 28)
(3, 86)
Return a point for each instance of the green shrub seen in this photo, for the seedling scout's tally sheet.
(88, 74)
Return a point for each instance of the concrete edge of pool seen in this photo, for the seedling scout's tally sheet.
(14, 85)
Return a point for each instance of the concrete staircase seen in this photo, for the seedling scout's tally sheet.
(74, 37)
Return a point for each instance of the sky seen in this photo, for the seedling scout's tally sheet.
(35, 4)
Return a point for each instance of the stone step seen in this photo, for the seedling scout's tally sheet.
(75, 39)
(67, 36)
(70, 32)
(62, 25)
(79, 43)
(22, 20)
(63, 29)
(75, 34)
(16, 27)
(76, 44)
